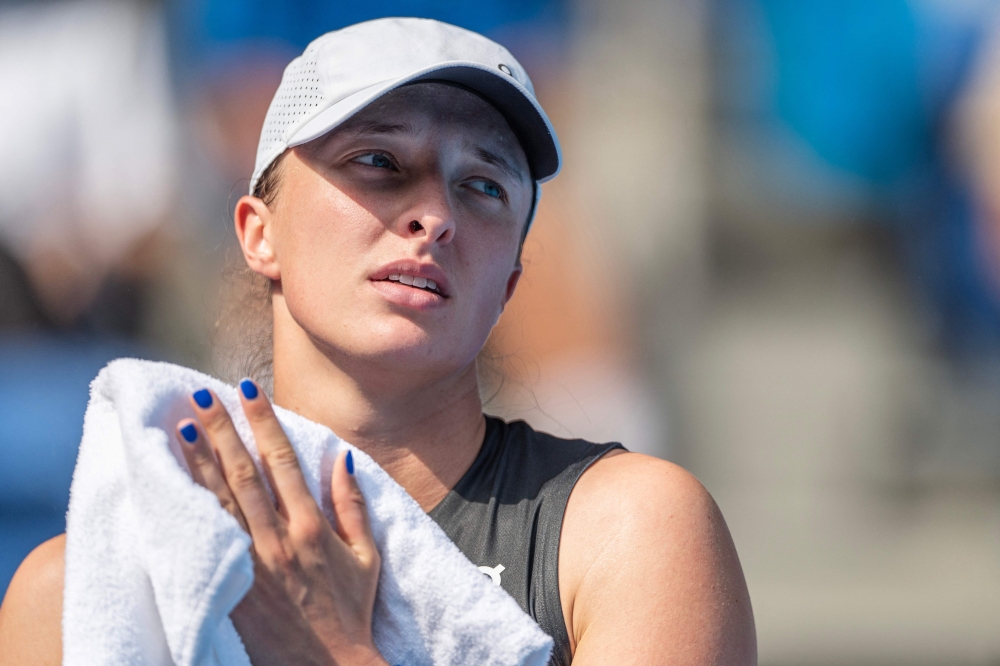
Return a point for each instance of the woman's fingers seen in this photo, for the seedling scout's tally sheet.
(232, 475)
(351, 511)
(238, 468)
(205, 468)
(276, 454)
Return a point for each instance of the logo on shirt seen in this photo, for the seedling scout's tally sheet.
(493, 573)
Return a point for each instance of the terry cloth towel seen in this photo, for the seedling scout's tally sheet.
(154, 565)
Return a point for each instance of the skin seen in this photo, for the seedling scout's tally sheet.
(392, 370)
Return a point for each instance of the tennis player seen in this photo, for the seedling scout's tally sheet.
(397, 175)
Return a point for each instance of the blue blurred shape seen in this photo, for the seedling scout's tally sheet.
(849, 82)
(301, 21)
(44, 387)
(212, 31)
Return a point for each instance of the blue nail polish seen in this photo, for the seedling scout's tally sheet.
(203, 398)
(349, 461)
(189, 432)
(249, 389)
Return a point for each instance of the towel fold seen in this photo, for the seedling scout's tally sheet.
(154, 565)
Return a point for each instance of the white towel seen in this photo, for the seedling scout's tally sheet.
(154, 565)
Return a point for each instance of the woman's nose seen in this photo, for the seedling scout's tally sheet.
(433, 220)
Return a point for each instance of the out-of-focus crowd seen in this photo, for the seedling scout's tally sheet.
(773, 256)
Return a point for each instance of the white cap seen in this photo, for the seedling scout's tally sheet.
(343, 71)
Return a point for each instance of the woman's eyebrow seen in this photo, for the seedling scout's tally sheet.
(499, 162)
(373, 127)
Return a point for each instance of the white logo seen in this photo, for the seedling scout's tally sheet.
(494, 573)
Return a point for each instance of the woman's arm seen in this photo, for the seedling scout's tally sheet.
(31, 615)
(648, 573)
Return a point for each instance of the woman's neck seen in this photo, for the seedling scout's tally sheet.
(425, 435)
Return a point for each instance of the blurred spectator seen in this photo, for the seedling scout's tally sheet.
(977, 123)
(86, 183)
(88, 171)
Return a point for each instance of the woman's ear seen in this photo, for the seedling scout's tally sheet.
(512, 280)
(255, 231)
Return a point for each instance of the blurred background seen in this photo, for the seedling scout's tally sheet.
(773, 257)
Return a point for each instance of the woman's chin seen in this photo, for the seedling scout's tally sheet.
(414, 350)
(399, 345)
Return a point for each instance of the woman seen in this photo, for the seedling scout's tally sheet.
(389, 221)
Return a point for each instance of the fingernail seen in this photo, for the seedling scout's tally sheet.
(349, 461)
(249, 389)
(189, 432)
(203, 398)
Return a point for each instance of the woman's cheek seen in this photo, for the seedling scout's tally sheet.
(314, 295)
(491, 302)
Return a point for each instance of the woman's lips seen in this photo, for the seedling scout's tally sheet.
(418, 282)
(414, 273)
(408, 296)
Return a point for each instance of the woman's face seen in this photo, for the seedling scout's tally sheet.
(396, 235)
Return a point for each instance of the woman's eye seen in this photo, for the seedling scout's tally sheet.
(488, 188)
(375, 160)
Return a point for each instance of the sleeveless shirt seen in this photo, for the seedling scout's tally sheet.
(505, 514)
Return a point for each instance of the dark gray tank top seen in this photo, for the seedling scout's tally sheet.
(506, 515)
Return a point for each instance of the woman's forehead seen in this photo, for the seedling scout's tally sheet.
(430, 107)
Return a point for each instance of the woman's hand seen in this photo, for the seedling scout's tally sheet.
(314, 588)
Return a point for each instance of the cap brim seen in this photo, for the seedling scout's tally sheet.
(522, 112)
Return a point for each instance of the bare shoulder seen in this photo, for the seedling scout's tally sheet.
(633, 477)
(643, 534)
(31, 614)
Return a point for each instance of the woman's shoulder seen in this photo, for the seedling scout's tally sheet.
(633, 497)
(31, 614)
(636, 479)
(644, 534)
